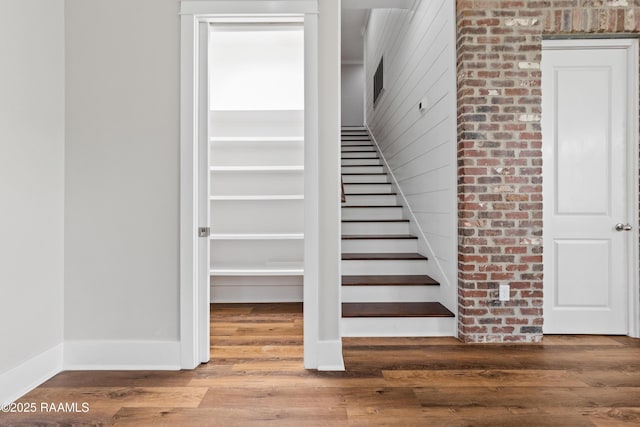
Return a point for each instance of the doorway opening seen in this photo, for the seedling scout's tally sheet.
(256, 171)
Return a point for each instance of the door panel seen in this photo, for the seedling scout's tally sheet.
(585, 190)
(582, 287)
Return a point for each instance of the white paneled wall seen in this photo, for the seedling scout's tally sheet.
(419, 146)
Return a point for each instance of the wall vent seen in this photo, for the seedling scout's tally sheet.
(378, 81)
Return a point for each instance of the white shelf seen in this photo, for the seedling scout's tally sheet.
(256, 271)
(265, 197)
(257, 139)
(261, 110)
(265, 236)
(256, 168)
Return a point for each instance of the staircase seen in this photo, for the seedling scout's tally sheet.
(385, 288)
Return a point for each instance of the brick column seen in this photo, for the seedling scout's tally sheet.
(499, 170)
(499, 153)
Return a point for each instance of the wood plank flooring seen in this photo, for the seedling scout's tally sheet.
(256, 378)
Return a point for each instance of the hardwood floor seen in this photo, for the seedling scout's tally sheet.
(256, 377)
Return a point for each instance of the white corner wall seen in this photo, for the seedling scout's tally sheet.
(31, 193)
(122, 179)
(420, 146)
(352, 94)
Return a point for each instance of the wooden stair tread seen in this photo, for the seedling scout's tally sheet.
(395, 309)
(383, 256)
(375, 220)
(390, 280)
(370, 194)
(371, 206)
(365, 173)
(377, 236)
(359, 158)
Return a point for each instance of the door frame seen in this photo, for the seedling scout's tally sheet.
(633, 175)
(194, 286)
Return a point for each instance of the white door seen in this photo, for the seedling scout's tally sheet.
(586, 187)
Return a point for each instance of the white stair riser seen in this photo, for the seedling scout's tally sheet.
(399, 327)
(362, 169)
(384, 267)
(372, 213)
(347, 179)
(379, 245)
(356, 142)
(367, 188)
(390, 293)
(368, 148)
(370, 200)
(361, 162)
(375, 228)
(369, 154)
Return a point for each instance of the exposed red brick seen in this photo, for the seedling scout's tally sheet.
(500, 157)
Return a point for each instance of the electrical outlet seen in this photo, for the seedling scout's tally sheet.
(422, 105)
(504, 293)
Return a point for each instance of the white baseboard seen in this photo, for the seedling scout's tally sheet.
(25, 377)
(121, 355)
(330, 356)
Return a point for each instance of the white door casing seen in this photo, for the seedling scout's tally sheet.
(322, 345)
(590, 184)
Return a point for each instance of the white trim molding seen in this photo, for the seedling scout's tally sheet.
(193, 305)
(330, 356)
(241, 7)
(630, 45)
(122, 355)
(20, 380)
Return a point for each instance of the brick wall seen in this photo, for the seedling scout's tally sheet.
(499, 47)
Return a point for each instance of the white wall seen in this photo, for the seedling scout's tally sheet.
(419, 56)
(330, 344)
(352, 94)
(31, 181)
(122, 172)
